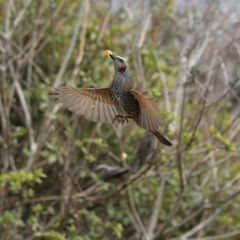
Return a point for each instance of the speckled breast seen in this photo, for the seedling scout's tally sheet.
(126, 103)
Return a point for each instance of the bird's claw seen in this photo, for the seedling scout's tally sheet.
(120, 119)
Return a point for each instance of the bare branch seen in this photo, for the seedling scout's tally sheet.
(157, 207)
(135, 214)
(202, 225)
(220, 236)
(71, 46)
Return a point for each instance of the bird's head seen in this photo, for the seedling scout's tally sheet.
(105, 168)
(120, 64)
(113, 174)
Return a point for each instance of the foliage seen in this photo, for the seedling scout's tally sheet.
(188, 57)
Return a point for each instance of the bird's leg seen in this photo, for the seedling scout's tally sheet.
(125, 118)
(121, 119)
(117, 118)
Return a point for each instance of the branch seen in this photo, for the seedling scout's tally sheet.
(28, 119)
(92, 189)
(186, 220)
(82, 38)
(200, 115)
(157, 207)
(202, 225)
(48, 118)
(181, 171)
(175, 208)
(164, 82)
(18, 18)
(135, 214)
(218, 237)
(71, 47)
(132, 219)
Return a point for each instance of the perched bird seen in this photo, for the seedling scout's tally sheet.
(118, 175)
(113, 174)
(145, 151)
(117, 103)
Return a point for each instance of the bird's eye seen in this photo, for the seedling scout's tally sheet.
(120, 60)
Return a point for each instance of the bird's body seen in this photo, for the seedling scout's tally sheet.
(118, 103)
(124, 101)
(113, 174)
(145, 151)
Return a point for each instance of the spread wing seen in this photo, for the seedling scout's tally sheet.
(95, 104)
(150, 116)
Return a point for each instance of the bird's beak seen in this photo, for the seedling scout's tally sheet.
(113, 57)
(109, 53)
(96, 169)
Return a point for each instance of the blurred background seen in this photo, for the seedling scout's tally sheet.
(187, 53)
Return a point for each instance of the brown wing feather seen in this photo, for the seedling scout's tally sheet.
(95, 104)
(150, 116)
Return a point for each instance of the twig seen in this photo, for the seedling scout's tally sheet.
(223, 95)
(222, 161)
(86, 9)
(135, 214)
(157, 207)
(145, 21)
(92, 189)
(19, 17)
(220, 236)
(204, 159)
(201, 111)
(127, 9)
(215, 172)
(27, 114)
(132, 219)
(104, 25)
(179, 151)
(175, 207)
(48, 118)
(234, 133)
(182, 78)
(164, 82)
(40, 35)
(4, 110)
(187, 219)
(202, 225)
(198, 51)
(71, 46)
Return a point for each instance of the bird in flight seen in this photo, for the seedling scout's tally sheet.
(120, 102)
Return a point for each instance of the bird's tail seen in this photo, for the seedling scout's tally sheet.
(160, 137)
